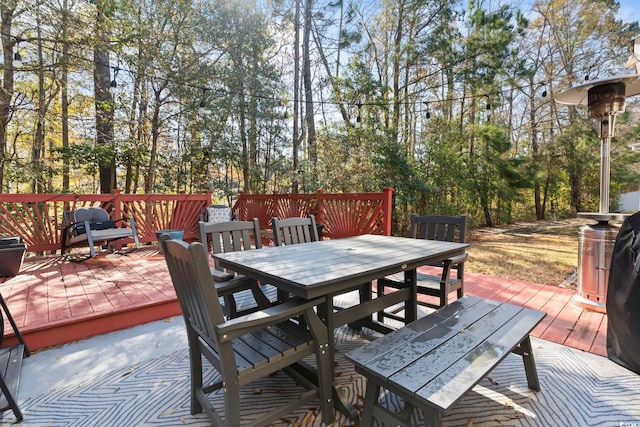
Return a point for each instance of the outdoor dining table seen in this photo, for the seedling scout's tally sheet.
(328, 268)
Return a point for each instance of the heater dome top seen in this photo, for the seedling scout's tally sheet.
(580, 94)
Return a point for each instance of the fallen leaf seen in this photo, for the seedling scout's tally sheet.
(470, 422)
(508, 403)
(257, 391)
(168, 412)
(309, 420)
(492, 381)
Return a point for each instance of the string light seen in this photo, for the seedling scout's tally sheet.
(113, 86)
(202, 106)
(17, 58)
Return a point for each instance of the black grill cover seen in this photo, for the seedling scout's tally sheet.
(623, 297)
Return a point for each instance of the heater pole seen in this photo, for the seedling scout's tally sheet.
(607, 125)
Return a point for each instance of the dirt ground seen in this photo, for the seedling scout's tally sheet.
(544, 252)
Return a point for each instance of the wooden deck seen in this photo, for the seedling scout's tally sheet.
(54, 301)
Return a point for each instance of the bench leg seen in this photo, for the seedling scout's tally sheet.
(372, 411)
(525, 350)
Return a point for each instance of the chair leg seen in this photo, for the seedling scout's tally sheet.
(379, 292)
(231, 400)
(92, 249)
(444, 294)
(323, 361)
(195, 363)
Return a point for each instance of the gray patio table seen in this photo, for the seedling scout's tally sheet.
(332, 267)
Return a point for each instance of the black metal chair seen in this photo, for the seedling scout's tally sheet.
(247, 348)
(234, 236)
(92, 226)
(433, 227)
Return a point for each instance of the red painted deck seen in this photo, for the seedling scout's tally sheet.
(54, 301)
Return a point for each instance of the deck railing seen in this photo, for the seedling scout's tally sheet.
(342, 214)
(38, 217)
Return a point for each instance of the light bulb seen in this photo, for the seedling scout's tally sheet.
(17, 60)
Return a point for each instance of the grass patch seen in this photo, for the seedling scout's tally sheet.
(544, 252)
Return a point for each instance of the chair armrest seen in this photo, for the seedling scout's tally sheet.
(122, 220)
(221, 276)
(234, 285)
(458, 259)
(242, 325)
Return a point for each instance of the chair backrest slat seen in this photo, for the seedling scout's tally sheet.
(230, 236)
(291, 231)
(439, 227)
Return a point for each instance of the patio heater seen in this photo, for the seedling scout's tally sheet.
(606, 99)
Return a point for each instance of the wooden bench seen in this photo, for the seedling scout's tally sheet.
(432, 362)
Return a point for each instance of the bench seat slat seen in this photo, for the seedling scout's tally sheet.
(465, 317)
(447, 316)
(432, 362)
(404, 354)
(421, 345)
(246, 356)
(422, 371)
(461, 376)
(521, 325)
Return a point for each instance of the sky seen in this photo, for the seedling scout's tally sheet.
(629, 10)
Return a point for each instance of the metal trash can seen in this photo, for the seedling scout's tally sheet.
(174, 233)
(594, 259)
(11, 255)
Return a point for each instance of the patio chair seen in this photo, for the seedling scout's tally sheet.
(247, 348)
(92, 226)
(234, 236)
(433, 227)
(294, 230)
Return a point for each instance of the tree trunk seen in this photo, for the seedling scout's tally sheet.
(155, 135)
(64, 98)
(309, 110)
(296, 103)
(103, 102)
(37, 149)
(397, 50)
(6, 94)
